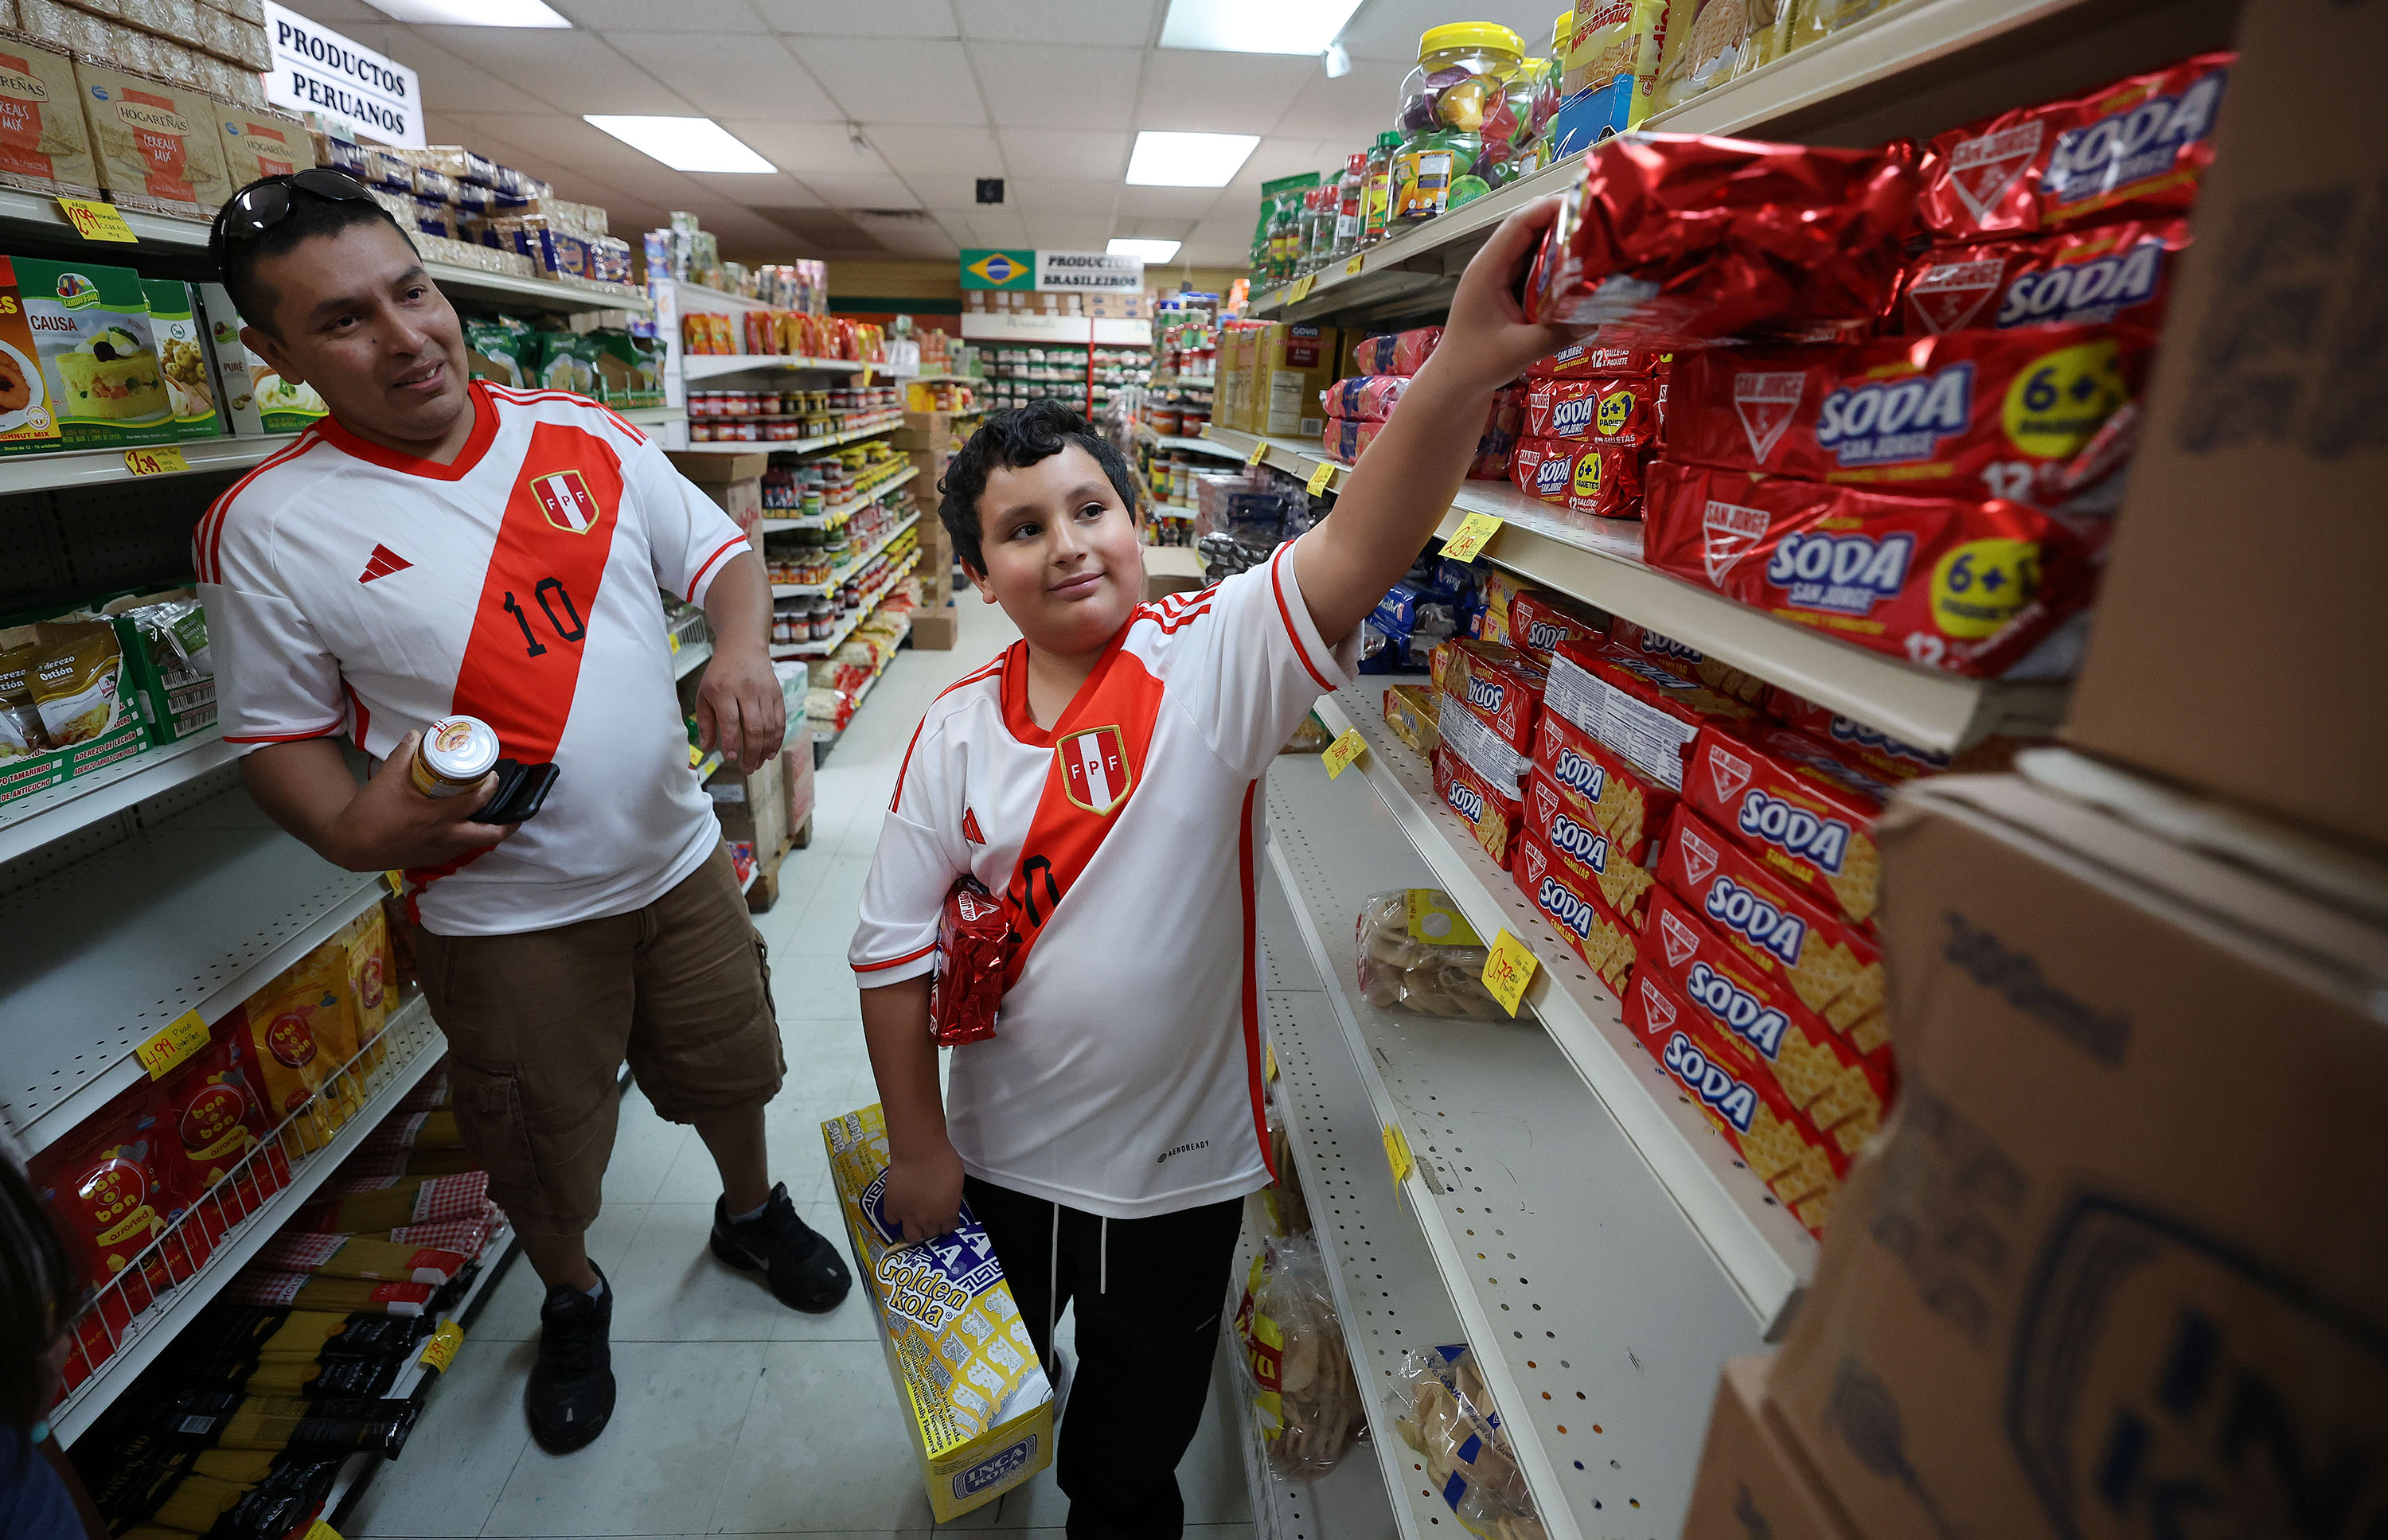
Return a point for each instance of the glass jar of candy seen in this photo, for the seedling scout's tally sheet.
(1462, 80)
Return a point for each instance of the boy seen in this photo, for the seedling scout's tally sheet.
(1103, 778)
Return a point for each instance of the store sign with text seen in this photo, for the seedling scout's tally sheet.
(316, 69)
(1051, 271)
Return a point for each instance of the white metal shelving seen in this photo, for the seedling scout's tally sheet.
(826, 735)
(829, 518)
(690, 657)
(713, 366)
(853, 564)
(32, 822)
(1597, 1316)
(792, 445)
(98, 467)
(787, 652)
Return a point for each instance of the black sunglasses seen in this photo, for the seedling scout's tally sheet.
(265, 203)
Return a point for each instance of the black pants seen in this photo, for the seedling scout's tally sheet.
(1150, 1294)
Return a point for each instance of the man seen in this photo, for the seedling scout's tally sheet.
(442, 545)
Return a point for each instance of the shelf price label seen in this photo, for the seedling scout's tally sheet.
(1353, 267)
(1344, 751)
(95, 220)
(1321, 476)
(163, 460)
(1260, 447)
(1507, 971)
(1398, 1158)
(440, 1350)
(183, 1037)
(1272, 1063)
(1301, 287)
(396, 881)
(1475, 532)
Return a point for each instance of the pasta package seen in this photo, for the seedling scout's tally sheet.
(976, 1402)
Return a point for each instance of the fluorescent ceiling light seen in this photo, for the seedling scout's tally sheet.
(474, 12)
(1150, 251)
(1256, 26)
(1189, 159)
(683, 144)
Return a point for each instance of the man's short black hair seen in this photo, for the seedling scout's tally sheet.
(1015, 440)
(308, 217)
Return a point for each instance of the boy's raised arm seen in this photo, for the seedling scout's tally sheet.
(1392, 499)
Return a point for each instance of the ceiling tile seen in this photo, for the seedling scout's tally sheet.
(727, 75)
(680, 16)
(909, 19)
(955, 150)
(649, 184)
(998, 227)
(943, 191)
(1064, 152)
(1348, 111)
(807, 148)
(1034, 195)
(863, 192)
(1177, 203)
(564, 140)
(449, 83)
(755, 191)
(920, 237)
(1218, 243)
(1121, 21)
(1156, 230)
(1219, 92)
(1036, 85)
(1275, 157)
(574, 71)
(1389, 29)
(862, 73)
(1068, 232)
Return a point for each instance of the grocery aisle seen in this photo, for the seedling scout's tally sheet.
(736, 1416)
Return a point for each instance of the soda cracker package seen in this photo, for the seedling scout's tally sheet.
(1972, 414)
(1602, 786)
(1602, 411)
(1952, 582)
(1504, 688)
(1370, 398)
(1799, 1165)
(1649, 716)
(1466, 735)
(975, 947)
(2133, 149)
(976, 1402)
(1396, 352)
(1557, 820)
(1789, 241)
(1877, 750)
(1566, 895)
(1495, 818)
(1539, 621)
(2107, 273)
(1666, 651)
(1588, 359)
(1805, 813)
(1602, 481)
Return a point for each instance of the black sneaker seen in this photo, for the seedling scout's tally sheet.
(799, 1265)
(570, 1396)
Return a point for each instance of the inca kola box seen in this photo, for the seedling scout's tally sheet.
(980, 1408)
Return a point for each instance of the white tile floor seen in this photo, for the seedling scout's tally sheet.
(737, 1416)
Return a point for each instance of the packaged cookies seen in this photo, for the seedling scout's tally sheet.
(99, 358)
(43, 146)
(157, 145)
(260, 144)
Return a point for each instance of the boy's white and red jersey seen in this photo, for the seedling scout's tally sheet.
(1125, 1076)
(352, 588)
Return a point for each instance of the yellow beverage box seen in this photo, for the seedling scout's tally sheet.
(978, 1403)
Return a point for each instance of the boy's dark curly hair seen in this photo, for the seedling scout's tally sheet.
(1012, 440)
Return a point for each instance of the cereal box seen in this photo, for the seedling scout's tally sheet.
(44, 147)
(159, 147)
(262, 144)
(980, 1408)
(98, 358)
(27, 422)
(1808, 816)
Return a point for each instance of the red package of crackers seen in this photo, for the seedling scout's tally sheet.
(1368, 397)
(1538, 622)
(1601, 480)
(1667, 652)
(1494, 818)
(1788, 240)
(1503, 686)
(1972, 415)
(1599, 410)
(1808, 816)
(1566, 895)
(1799, 1165)
(2135, 148)
(1633, 809)
(974, 951)
(1851, 739)
(1647, 715)
(1586, 358)
(1396, 352)
(1952, 583)
(1574, 834)
(2106, 274)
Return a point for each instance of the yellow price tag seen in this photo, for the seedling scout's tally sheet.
(1469, 539)
(95, 220)
(183, 1037)
(440, 1350)
(1341, 753)
(675, 645)
(322, 1531)
(1321, 476)
(1259, 449)
(1271, 1062)
(396, 881)
(1353, 265)
(1509, 970)
(1397, 1155)
(1301, 287)
(695, 756)
(162, 461)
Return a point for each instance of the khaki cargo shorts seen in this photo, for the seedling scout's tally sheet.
(538, 1023)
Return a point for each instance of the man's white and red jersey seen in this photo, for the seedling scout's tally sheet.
(352, 588)
(1124, 1075)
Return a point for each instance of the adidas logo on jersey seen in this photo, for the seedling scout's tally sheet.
(383, 562)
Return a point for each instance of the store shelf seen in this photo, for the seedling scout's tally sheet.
(838, 577)
(1193, 446)
(712, 301)
(711, 366)
(1597, 1314)
(702, 766)
(690, 657)
(95, 467)
(824, 736)
(414, 1043)
(1068, 330)
(787, 652)
(195, 913)
(794, 446)
(829, 518)
(1603, 566)
(32, 822)
(653, 417)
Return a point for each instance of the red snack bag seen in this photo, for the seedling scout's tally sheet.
(1567, 896)
(209, 1118)
(104, 1192)
(1789, 240)
(1494, 816)
(1398, 353)
(1586, 358)
(1833, 967)
(1499, 439)
(1504, 689)
(1972, 414)
(1343, 438)
(1667, 652)
(1575, 837)
(1603, 481)
(1599, 782)
(1368, 397)
(1647, 715)
(2135, 148)
(974, 944)
(1807, 815)
(1539, 621)
(1799, 1165)
(1952, 582)
(1602, 411)
(2106, 274)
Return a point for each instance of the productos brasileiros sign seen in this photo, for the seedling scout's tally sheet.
(316, 69)
(1051, 271)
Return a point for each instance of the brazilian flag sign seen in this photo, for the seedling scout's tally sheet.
(984, 268)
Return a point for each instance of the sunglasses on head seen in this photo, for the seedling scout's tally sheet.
(263, 204)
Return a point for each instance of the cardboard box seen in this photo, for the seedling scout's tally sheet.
(1291, 365)
(708, 469)
(44, 146)
(976, 1403)
(935, 432)
(157, 145)
(2114, 1267)
(2243, 416)
(935, 628)
(752, 806)
(262, 144)
(1753, 1479)
(1171, 570)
